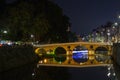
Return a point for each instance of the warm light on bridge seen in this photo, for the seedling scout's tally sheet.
(77, 53)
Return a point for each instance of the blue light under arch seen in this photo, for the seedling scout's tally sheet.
(80, 54)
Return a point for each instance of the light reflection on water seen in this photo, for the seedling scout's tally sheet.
(34, 72)
(31, 72)
(80, 56)
(76, 58)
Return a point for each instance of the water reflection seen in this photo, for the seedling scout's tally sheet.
(80, 56)
(101, 58)
(101, 54)
(60, 58)
(76, 59)
(34, 72)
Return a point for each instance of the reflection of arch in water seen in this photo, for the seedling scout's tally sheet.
(40, 51)
(101, 54)
(101, 50)
(80, 54)
(49, 51)
(60, 58)
(60, 54)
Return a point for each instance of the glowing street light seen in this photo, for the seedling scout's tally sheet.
(5, 31)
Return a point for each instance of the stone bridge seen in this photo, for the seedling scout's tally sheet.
(96, 52)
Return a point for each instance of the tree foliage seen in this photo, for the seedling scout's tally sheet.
(41, 18)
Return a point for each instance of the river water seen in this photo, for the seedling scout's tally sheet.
(33, 72)
(56, 73)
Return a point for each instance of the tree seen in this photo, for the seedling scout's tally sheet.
(41, 18)
(22, 21)
(59, 23)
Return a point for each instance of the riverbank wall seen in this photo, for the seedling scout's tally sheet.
(16, 56)
(116, 59)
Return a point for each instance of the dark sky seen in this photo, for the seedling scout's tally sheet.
(86, 15)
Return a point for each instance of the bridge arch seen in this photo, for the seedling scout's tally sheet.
(60, 58)
(80, 54)
(40, 51)
(60, 54)
(101, 54)
(59, 51)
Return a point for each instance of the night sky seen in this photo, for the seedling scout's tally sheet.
(86, 15)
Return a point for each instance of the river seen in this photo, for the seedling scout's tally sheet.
(32, 72)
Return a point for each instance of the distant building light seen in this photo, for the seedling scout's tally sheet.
(113, 27)
(108, 34)
(68, 29)
(32, 35)
(5, 32)
(115, 23)
(119, 16)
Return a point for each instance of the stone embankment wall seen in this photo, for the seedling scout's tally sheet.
(116, 59)
(16, 56)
